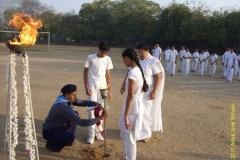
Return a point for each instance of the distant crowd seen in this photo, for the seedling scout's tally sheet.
(200, 61)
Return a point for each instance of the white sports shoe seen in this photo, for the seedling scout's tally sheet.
(90, 140)
(99, 137)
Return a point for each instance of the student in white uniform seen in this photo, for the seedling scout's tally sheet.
(195, 60)
(207, 55)
(224, 61)
(180, 62)
(202, 58)
(166, 58)
(97, 76)
(157, 52)
(172, 61)
(230, 64)
(235, 68)
(213, 64)
(132, 110)
(186, 62)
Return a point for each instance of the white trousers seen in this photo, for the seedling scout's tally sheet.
(201, 68)
(212, 69)
(235, 69)
(172, 66)
(194, 65)
(186, 66)
(225, 69)
(129, 144)
(166, 65)
(205, 65)
(96, 96)
(229, 72)
(180, 65)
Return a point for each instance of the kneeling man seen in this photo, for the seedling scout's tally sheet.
(60, 125)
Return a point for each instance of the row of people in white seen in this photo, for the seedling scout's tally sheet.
(229, 63)
(170, 57)
(230, 58)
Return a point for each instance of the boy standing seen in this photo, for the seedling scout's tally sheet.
(202, 58)
(213, 64)
(157, 52)
(96, 77)
(180, 62)
(186, 62)
(166, 58)
(172, 61)
(195, 60)
(224, 61)
(230, 64)
(207, 55)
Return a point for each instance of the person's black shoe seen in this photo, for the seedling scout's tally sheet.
(49, 147)
(71, 144)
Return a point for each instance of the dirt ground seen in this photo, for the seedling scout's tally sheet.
(196, 109)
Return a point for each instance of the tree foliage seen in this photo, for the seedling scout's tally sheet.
(132, 21)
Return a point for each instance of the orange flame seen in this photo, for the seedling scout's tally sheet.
(28, 27)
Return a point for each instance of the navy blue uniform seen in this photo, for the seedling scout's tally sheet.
(60, 125)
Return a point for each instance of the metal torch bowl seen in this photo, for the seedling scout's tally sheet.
(17, 48)
(104, 92)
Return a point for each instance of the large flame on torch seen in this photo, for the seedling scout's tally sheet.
(28, 28)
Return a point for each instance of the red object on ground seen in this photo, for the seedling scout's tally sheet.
(97, 114)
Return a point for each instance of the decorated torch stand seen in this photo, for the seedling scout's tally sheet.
(104, 96)
(11, 130)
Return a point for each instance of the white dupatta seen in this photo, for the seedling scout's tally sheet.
(156, 112)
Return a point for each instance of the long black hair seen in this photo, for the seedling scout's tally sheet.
(130, 53)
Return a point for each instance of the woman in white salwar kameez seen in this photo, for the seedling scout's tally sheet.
(132, 111)
(152, 99)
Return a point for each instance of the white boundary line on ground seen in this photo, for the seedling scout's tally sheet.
(195, 91)
(203, 82)
(208, 85)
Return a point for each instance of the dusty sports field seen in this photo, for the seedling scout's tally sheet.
(196, 109)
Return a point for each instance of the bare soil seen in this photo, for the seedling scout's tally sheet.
(196, 109)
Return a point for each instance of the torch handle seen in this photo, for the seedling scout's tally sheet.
(105, 143)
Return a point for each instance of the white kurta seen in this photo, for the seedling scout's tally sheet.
(180, 62)
(152, 108)
(129, 137)
(206, 62)
(202, 57)
(229, 65)
(186, 63)
(225, 63)
(172, 58)
(157, 53)
(166, 59)
(235, 68)
(195, 61)
(213, 67)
